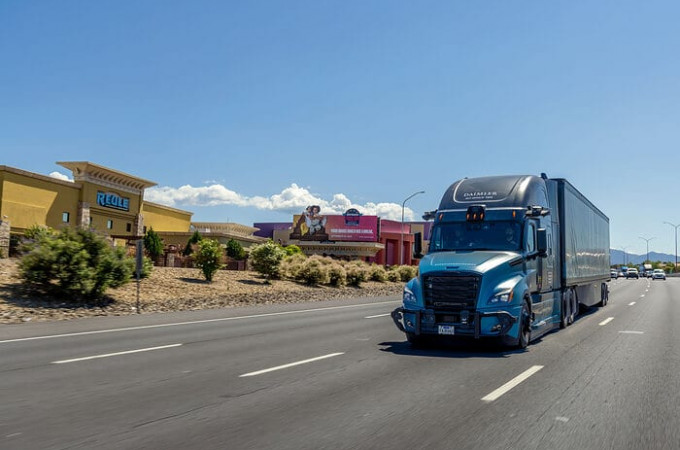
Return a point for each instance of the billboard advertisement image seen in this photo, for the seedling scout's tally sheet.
(351, 226)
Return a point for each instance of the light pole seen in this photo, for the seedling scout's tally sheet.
(647, 239)
(624, 254)
(401, 230)
(676, 244)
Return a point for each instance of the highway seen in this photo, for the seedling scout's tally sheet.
(339, 375)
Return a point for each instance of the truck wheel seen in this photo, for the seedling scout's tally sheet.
(417, 341)
(524, 334)
(604, 295)
(564, 317)
(573, 306)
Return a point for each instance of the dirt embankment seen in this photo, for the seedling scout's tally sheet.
(170, 289)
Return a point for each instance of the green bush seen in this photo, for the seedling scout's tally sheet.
(407, 272)
(291, 265)
(266, 259)
(153, 244)
(193, 240)
(208, 257)
(377, 273)
(357, 273)
(393, 276)
(235, 250)
(292, 250)
(337, 275)
(313, 272)
(73, 263)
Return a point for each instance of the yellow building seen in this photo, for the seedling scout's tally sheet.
(100, 198)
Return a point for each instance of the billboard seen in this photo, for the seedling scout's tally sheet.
(351, 226)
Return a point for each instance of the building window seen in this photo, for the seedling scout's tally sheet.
(144, 230)
(109, 224)
(65, 216)
(128, 227)
(90, 220)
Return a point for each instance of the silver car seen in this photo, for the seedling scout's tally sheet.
(658, 274)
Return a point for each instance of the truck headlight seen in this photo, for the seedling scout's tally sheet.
(409, 297)
(502, 297)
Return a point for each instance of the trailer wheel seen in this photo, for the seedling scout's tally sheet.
(524, 333)
(604, 295)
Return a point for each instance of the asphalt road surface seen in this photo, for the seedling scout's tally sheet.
(339, 375)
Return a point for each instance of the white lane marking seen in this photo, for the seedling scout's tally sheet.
(193, 322)
(511, 384)
(642, 295)
(107, 355)
(632, 332)
(631, 303)
(377, 315)
(285, 366)
(562, 419)
(13, 435)
(606, 321)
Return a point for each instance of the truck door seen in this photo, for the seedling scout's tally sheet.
(535, 280)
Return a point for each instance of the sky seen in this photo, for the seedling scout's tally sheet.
(247, 111)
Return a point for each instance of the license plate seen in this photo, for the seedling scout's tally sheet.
(446, 329)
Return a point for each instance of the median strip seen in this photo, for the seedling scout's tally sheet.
(285, 366)
(511, 384)
(107, 355)
(606, 321)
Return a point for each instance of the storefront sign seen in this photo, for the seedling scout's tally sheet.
(111, 200)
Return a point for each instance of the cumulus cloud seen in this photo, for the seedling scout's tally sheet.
(292, 200)
(60, 176)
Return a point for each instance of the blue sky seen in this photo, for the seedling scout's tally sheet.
(249, 111)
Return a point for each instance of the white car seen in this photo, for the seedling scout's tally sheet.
(659, 274)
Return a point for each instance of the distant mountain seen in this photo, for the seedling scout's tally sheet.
(616, 257)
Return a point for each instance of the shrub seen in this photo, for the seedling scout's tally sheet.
(337, 275)
(208, 257)
(407, 272)
(266, 259)
(235, 250)
(73, 263)
(153, 244)
(291, 265)
(313, 272)
(377, 273)
(393, 276)
(356, 272)
(292, 250)
(193, 240)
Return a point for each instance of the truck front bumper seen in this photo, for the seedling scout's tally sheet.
(479, 324)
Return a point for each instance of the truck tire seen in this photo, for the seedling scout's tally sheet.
(573, 306)
(417, 341)
(524, 332)
(564, 308)
(604, 295)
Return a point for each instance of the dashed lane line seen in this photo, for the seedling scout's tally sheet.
(285, 366)
(511, 384)
(108, 355)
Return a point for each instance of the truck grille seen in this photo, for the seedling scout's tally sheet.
(451, 292)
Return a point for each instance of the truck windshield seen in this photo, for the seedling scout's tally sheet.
(503, 235)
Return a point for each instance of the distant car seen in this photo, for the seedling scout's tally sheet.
(614, 274)
(632, 273)
(659, 274)
(621, 274)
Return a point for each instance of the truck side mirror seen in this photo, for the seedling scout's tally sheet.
(418, 245)
(542, 242)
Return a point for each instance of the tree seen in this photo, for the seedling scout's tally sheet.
(208, 257)
(235, 250)
(266, 259)
(73, 263)
(194, 239)
(153, 244)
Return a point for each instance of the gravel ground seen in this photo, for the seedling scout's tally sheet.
(170, 289)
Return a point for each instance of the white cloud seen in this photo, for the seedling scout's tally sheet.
(292, 200)
(60, 176)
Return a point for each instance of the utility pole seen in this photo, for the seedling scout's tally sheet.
(401, 230)
(676, 244)
(647, 239)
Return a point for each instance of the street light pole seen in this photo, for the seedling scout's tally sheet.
(624, 254)
(676, 244)
(401, 230)
(647, 239)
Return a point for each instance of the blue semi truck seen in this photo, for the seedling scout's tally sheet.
(511, 258)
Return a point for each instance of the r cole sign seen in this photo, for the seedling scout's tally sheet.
(111, 200)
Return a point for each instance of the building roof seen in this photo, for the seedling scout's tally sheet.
(87, 171)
